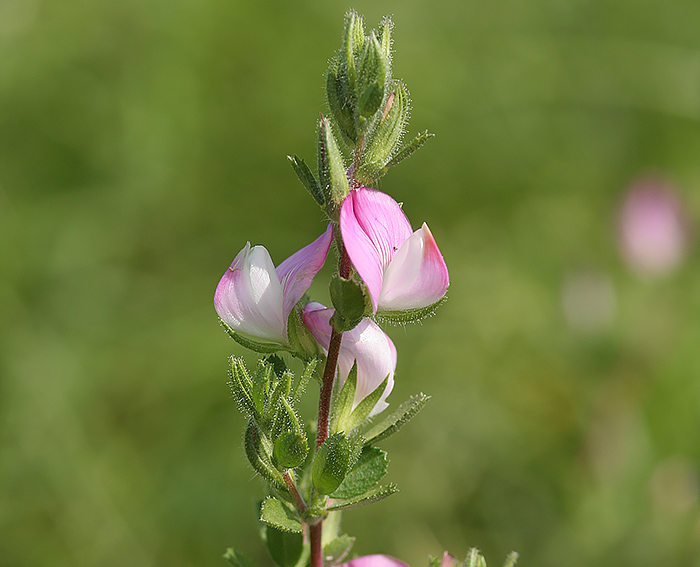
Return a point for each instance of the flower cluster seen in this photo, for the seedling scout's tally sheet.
(401, 270)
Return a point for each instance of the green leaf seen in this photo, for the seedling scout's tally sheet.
(396, 420)
(290, 449)
(242, 388)
(237, 559)
(341, 404)
(364, 408)
(331, 169)
(350, 300)
(331, 463)
(258, 451)
(337, 550)
(369, 469)
(411, 147)
(301, 342)
(276, 514)
(285, 547)
(374, 495)
(307, 179)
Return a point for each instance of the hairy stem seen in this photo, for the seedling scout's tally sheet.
(298, 500)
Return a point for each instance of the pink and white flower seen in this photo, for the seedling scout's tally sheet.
(367, 344)
(255, 299)
(375, 561)
(402, 269)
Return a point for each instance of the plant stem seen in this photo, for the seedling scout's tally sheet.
(315, 538)
(299, 501)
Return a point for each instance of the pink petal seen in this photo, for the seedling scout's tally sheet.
(249, 296)
(298, 271)
(373, 228)
(375, 561)
(417, 276)
(367, 343)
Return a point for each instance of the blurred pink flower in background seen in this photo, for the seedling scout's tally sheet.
(374, 561)
(653, 229)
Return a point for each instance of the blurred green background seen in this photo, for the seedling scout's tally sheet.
(143, 142)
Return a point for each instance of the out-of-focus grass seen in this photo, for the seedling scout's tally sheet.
(141, 145)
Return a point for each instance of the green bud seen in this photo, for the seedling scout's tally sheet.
(290, 450)
(258, 452)
(340, 100)
(331, 170)
(331, 463)
(373, 67)
(387, 26)
(351, 302)
(353, 43)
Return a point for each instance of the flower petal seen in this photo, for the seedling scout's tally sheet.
(373, 228)
(298, 271)
(417, 276)
(367, 343)
(249, 296)
(375, 561)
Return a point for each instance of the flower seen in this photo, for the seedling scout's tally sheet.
(402, 269)
(367, 344)
(653, 229)
(374, 561)
(255, 299)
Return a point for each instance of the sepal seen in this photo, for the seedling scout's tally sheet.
(396, 420)
(331, 169)
(340, 100)
(409, 148)
(373, 72)
(258, 451)
(301, 342)
(242, 388)
(307, 179)
(409, 315)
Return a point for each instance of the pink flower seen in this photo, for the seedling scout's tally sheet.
(374, 561)
(653, 232)
(366, 343)
(255, 299)
(402, 269)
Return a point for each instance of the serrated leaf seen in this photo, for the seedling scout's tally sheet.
(411, 147)
(337, 550)
(396, 420)
(285, 548)
(277, 515)
(237, 559)
(369, 469)
(364, 408)
(331, 463)
(259, 453)
(374, 495)
(341, 404)
(307, 179)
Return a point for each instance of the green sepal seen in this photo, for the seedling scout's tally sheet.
(250, 343)
(342, 401)
(385, 29)
(410, 315)
(374, 495)
(301, 342)
(280, 389)
(331, 463)
(353, 42)
(364, 408)
(242, 388)
(409, 148)
(340, 100)
(511, 560)
(474, 558)
(304, 379)
(262, 383)
(373, 70)
(284, 547)
(277, 514)
(237, 559)
(396, 420)
(351, 302)
(331, 169)
(369, 469)
(436, 562)
(258, 451)
(384, 135)
(337, 550)
(286, 419)
(307, 179)
(290, 450)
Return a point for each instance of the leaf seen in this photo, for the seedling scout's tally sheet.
(341, 405)
(307, 179)
(237, 559)
(285, 547)
(374, 495)
(337, 550)
(275, 514)
(290, 449)
(396, 420)
(369, 469)
(364, 408)
(350, 300)
(411, 147)
(331, 462)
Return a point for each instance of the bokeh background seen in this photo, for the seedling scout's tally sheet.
(143, 142)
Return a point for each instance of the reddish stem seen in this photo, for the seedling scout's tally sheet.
(315, 536)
